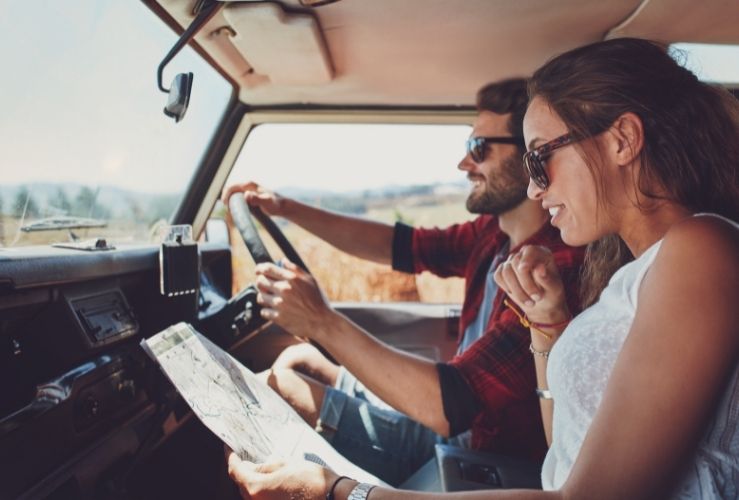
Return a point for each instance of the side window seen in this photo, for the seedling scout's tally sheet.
(710, 62)
(387, 173)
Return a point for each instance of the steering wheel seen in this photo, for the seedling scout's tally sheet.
(242, 213)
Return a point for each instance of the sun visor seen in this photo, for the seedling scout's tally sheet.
(285, 48)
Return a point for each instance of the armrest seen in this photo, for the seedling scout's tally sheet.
(461, 469)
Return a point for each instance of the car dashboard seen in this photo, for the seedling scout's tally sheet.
(78, 395)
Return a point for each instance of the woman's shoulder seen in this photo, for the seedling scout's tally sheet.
(703, 230)
(694, 279)
(703, 241)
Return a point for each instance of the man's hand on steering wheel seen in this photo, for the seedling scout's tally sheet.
(256, 196)
(242, 213)
(290, 297)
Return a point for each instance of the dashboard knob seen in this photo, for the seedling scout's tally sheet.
(91, 407)
(127, 389)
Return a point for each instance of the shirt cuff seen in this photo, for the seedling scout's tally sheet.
(403, 248)
(459, 401)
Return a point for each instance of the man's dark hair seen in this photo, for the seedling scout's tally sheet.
(506, 96)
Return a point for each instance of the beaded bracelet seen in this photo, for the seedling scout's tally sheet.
(537, 327)
(543, 354)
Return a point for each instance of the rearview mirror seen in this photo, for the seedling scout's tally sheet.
(179, 96)
(179, 92)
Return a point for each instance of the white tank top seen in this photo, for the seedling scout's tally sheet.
(579, 367)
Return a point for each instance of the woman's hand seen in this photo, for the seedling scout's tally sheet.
(531, 279)
(256, 196)
(298, 480)
(291, 298)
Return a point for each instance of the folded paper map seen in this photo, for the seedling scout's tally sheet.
(243, 411)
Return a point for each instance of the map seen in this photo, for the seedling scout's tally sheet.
(240, 409)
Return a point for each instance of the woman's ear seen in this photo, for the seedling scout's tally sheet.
(628, 134)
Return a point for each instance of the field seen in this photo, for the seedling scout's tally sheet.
(118, 230)
(346, 278)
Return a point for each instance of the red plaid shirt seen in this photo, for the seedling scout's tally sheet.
(498, 367)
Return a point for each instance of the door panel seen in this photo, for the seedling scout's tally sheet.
(429, 330)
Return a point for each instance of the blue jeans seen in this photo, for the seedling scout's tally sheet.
(372, 434)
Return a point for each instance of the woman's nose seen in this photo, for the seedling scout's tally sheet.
(533, 191)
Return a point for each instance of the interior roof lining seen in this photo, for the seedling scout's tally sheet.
(386, 71)
(626, 22)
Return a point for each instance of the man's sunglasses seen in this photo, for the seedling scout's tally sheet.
(477, 146)
(533, 161)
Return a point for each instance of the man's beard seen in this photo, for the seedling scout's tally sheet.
(503, 193)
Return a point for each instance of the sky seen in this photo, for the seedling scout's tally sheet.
(79, 98)
(714, 63)
(79, 104)
(351, 157)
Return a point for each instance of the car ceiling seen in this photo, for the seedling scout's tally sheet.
(422, 52)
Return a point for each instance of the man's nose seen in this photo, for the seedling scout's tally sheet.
(466, 164)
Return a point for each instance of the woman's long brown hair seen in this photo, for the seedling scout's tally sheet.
(691, 131)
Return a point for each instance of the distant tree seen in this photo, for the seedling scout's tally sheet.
(25, 204)
(86, 204)
(60, 200)
(2, 223)
(161, 208)
(399, 217)
(137, 210)
(343, 204)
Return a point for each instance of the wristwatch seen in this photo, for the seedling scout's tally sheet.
(544, 393)
(360, 491)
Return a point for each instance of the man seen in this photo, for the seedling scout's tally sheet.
(489, 387)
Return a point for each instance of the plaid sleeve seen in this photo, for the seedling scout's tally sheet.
(403, 248)
(498, 367)
(445, 252)
(459, 401)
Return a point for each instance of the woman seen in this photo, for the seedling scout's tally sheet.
(624, 145)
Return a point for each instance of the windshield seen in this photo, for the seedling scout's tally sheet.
(86, 150)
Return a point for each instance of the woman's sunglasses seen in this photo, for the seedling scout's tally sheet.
(533, 161)
(477, 147)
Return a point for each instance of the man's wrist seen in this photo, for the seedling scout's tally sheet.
(327, 325)
(286, 207)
